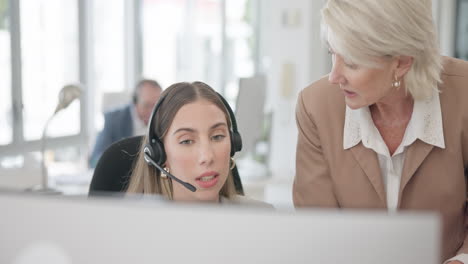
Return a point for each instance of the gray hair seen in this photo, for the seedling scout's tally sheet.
(361, 30)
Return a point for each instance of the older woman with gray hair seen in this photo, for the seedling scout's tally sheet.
(388, 127)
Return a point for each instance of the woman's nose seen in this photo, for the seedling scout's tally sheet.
(206, 153)
(335, 76)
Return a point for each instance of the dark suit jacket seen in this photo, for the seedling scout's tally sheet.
(432, 178)
(117, 125)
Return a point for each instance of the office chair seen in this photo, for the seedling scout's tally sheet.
(113, 170)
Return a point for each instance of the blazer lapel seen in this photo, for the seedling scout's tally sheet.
(369, 163)
(417, 153)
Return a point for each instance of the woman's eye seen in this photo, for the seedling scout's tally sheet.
(351, 66)
(186, 142)
(218, 137)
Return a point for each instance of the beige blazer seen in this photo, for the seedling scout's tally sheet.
(432, 178)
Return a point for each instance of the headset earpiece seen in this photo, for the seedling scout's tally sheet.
(148, 154)
(236, 139)
(154, 149)
(236, 143)
(159, 152)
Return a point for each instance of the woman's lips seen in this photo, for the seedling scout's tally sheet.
(207, 180)
(349, 93)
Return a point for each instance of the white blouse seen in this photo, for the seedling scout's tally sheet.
(139, 127)
(425, 124)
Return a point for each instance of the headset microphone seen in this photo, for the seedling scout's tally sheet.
(187, 185)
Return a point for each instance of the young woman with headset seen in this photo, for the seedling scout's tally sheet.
(187, 153)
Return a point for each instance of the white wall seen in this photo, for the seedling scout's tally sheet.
(445, 12)
(293, 57)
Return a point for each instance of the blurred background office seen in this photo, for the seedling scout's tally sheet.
(258, 53)
(128, 120)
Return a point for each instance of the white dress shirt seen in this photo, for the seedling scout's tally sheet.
(139, 128)
(425, 124)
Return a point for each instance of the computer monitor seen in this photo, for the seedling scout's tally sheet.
(58, 230)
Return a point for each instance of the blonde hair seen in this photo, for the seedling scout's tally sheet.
(361, 30)
(146, 179)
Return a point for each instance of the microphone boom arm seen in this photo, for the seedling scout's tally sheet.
(185, 184)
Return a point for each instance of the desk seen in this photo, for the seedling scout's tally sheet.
(74, 183)
(275, 190)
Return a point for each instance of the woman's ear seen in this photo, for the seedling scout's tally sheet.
(404, 64)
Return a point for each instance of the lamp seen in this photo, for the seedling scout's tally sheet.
(66, 96)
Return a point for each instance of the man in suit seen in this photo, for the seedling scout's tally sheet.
(129, 120)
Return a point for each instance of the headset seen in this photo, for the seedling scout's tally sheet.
(155, 154)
